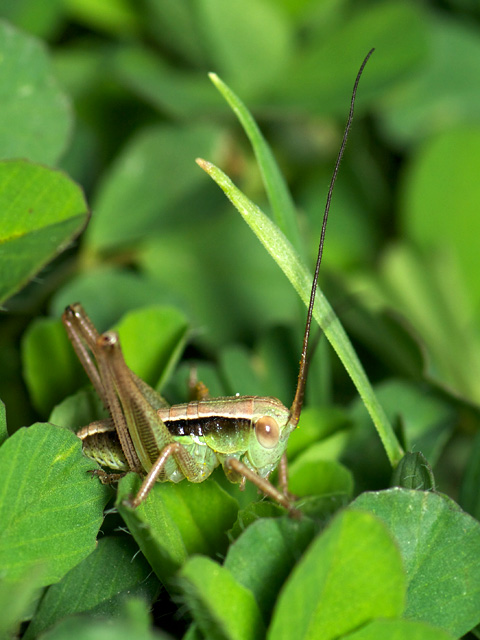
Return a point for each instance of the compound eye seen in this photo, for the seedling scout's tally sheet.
(267, 432)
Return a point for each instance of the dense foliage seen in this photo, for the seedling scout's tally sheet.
(104, 109)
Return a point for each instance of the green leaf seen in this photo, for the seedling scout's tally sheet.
(116, 16)
(114, 571)
(177, 520)
(238, 371)
(398, 630)
(440, 547)
(283, 208)
(350, 574)
(207, 373)
(436, 97)
(237, 42)
(50, 367)
(50, 510)
(253, 511)
(153, 339)
(175, 25)
(134, 623)
(321, 508)
(3, 423)
(321, 77)
(427, 419)
(327, 425)
(222, 608)
(387, 336)
(193, 633)
(41, 212)
(429, 290)
(35, 115)
(311, 474)
(16, 602)
(148, 182)
(28, 15)
(119, 290)
(78, 410)
(441, 178)
(282, 252)
(469, 495)
(276, 357)
(264, 554)
(181, 94)
(252, 292)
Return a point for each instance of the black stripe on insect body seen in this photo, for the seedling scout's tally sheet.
(202, 427)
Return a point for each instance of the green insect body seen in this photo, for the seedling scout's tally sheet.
(252, 429)
(247, 435)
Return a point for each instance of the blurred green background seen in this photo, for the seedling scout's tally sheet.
(118, 97)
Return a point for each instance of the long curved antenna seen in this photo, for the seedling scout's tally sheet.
(302, 374)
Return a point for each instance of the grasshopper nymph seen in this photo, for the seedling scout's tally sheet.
(247, 435)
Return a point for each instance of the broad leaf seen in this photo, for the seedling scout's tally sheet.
(222, 608)
(41, 212)
(440, 547)
(436, 97)
(264, 554)
(153, 339)
(350, 574)
(148, 183)
(398, 630)
(311, 474)
(114, 572)
(469, 495)
(237, 40)
(3, 423)
(178, 520)
(50, 509)
(50, 366)
(133, 623)
(35, 115)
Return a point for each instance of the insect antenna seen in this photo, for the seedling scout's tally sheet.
(296, 407)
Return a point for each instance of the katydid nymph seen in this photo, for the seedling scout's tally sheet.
(246, 435)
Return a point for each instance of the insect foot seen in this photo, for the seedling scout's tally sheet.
(104, 477)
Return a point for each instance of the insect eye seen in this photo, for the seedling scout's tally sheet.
(267, 432)
(107, 339)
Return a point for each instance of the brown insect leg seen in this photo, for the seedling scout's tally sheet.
(186, 463)
(83, 336)
(283, 474)
(263, 484)
(106, 478)
(95, 353)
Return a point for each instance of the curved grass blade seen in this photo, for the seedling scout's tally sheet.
(283, 253)
(283, 207)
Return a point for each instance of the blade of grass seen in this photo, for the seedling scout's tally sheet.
(283, 253)
(283, 207)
